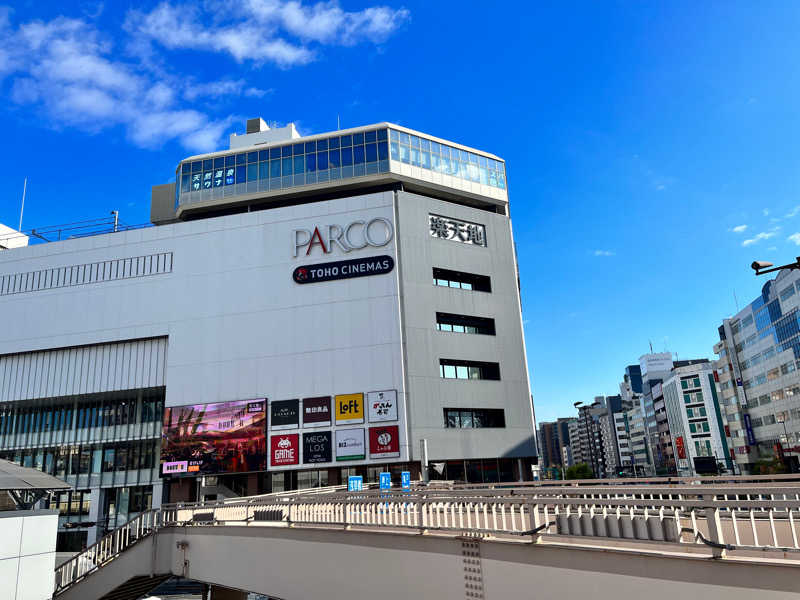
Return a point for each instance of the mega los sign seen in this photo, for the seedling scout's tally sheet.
(376, 232)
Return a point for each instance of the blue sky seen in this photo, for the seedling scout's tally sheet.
(651, 147)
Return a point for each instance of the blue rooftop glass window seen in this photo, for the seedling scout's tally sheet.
(230, 160)
(252, 171)
(311, 147)
(286, 166)
(394, 135)
(404, 138)
(274, 153)
(382, 134)
(424, 144)
(263, 155)
(370, 136)
(241, 159)
(274, 168)
(241, 173)
(299, 164)
(414, 141)
(435, 147)
(322, 145)
(372, 152)
(230, 175)
(482, 161)
(311, 163)
(322, 161)
(383, 150)
(285, 151)
(197, 166)
(219, 162)
(218, 177)
(298, 149)
(347, 157)
(333, 142)
(395, 151)
(347, 140)
(184, 183)
(358, 139)
(358, 155)
(263, 170)
(186, 168)
(252, 157)
(444, 151)
(335, 159)
(208, 164)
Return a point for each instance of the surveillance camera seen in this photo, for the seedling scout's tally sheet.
(760, 264)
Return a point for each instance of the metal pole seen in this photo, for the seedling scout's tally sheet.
(423, 448)
(22, 210)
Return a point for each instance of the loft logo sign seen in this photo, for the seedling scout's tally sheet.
(359, 234)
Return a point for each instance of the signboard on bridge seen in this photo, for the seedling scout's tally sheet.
(405, 480)
(355, 483)
(386, 481)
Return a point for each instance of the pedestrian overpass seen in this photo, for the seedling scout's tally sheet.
(654, 539)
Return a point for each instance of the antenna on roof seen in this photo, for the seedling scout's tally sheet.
(22, 210)
(736, 300)
(338, 124)
(651, 346)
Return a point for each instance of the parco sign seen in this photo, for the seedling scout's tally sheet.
(359, 234)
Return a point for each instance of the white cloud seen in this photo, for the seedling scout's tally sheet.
(78, 76)
(793, 212)
(604, 253)
(758, 237)
(765, 212)
(738, 228)
(795, 237)
(259, 30)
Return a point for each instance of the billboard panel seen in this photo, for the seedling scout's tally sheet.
(350, 444)
(384, 442)
(284, 449)
(349, 408)
(205, 439)
(317, 411)
(317, 447)
(382, 406)
(284, 414)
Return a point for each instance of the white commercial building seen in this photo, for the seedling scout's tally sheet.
(695, 418)
(305, 310)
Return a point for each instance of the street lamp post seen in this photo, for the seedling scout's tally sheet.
(781, 418)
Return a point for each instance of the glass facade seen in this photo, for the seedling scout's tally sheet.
(326, 159)
(424, 153)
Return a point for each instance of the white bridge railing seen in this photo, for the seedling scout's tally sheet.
(729, 519)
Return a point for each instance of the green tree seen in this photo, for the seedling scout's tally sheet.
(580, 471)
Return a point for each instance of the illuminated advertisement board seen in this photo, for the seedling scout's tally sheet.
(206, 439)
(382, 406)
(284, 414)
(350, 444)
(384, 442)
(317, 447)
(349, 408)
(285, 449)
(317, 411)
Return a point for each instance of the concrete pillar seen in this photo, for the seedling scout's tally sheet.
(94, 516)
(158, 494)
(221, 593)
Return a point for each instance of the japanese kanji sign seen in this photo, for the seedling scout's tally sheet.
(446, 228)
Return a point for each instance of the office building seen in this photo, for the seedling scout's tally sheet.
(695, 418)
(757, 367)
(306, 309)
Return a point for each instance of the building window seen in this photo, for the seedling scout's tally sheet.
(474, 418)
(461, 280)
(787, 293)
(464, 324)
(468, 369)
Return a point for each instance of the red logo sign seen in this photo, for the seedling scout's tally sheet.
(384, 441)
(680, 447)
(285, 449)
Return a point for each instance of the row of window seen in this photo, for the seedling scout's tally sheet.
(147, 408)
(689, 383)
(461, 280)
(474, 418)
(692, 397)
(84, 459)
(109, 270)
(771, 375)
(464, 324)
(702, 426)
(757, 359)
(697, 411)
(468, 369)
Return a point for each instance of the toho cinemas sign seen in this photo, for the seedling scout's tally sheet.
(356, 235)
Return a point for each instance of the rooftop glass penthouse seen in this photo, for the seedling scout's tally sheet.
(359, 157)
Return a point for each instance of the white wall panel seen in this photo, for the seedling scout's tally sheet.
(85, 370)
